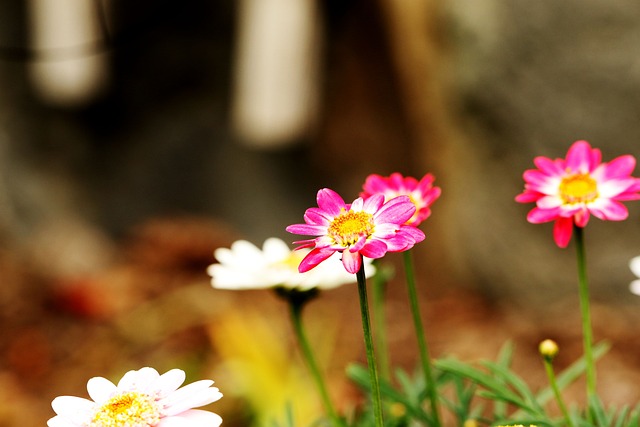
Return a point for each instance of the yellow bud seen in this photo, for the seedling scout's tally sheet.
(548, 349)
(470, 423)
(398, 410)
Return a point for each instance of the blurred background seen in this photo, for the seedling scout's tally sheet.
(136, 137)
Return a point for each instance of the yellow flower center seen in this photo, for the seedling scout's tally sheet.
(131, 409)
(579, 188)
(348, 227)
(292, 261)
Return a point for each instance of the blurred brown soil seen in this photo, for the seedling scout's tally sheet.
(154, 307)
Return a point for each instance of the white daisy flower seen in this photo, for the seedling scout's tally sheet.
(245, 266)
(142, 398)
(634, 265)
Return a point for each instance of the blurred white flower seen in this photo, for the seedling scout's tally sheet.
(245, 266)
(634, 265)
(142, 398)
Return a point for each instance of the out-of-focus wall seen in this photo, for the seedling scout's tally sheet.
(530, 78)
(469, 90)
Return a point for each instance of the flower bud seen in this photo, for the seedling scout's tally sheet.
(548, 349)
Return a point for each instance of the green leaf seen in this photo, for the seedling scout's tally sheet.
(517, 383)
(360, 375)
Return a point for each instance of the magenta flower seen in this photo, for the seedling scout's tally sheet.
(422, 193)
(370, 228)
(569, 190)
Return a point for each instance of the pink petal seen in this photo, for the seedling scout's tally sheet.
(362, 240)
(538, 216)
(609, 210)
(631, 192)
(416, 234)
(615, 187)
(425, 183)
(549, 202)
(374, 184)
(307, 229)
(315, 257)
(373, 203)
(548, 166)
(309, 243)
(374, 249)
(397, 182)
(396, 211)
(351, 261)
(562, 230)
(317, 216)
(535, 179)
(430, 196)
(402, 241)
(620, 167)
(581, 218)
(330, 201)
(528, 196)
(359, 202)
(579, 157)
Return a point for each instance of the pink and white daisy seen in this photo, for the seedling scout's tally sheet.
(368, 228)
(422, 193)
(569, 190)
(142, 398)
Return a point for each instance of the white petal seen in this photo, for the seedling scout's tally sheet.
(634, 287)
(58, 421)
(138, 380)
(169, 382)
(193, 418)
(191, 396)
(275, 250)
(74, 409)
(100, 389)
(634, 265)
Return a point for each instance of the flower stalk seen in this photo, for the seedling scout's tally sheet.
(549, 350)
(296, 305)
(585, 311)
(379, 319)
(420, 335)
(368, 341)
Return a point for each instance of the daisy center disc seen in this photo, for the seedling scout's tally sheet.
(348, 227)
(129, 409)
(580, 188)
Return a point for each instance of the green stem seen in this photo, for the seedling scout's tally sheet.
(379, 285)
(296, 319)
(422, 342)
(556, 391)
(585, 312)
(368, 341)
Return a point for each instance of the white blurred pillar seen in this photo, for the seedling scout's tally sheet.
(275, 98)
(67, 70)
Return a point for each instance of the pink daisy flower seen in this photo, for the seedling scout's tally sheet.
(422, 193)
(142, 398)
(370, 228)
(569, 190)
